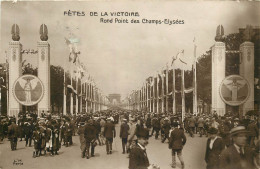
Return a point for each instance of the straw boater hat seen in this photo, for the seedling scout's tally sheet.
(238, 130)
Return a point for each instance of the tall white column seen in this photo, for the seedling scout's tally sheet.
(173, 92)
(247, 71)
(154, 94)
(147, 96)
(195, 103)
(44, 74)
(150, 99)
(15, 71)
(86, 98)
(182, 94)
(64, 93)
(157, 85)
(162, 93)
(218, 74)
(166, 95)
(77, 97)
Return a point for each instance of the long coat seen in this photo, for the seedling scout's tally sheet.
(55, 140)
(192, 122)
(109, 130)
(177, 139)
(82, 140)
(90, 133)
(212, 155)
(124, 129)
(37, 139)
(138, 158)
(231, 159)
(13, 131)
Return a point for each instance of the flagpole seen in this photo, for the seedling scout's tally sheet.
(64, 90)
(153, 94)
(195, 82)
(94, 98)
(71, 94)
(173, 92)
(167, 107)
(86, 96)
(81, 94)
(162, 92)
(147, 96)
(142, 97)
(77, 96)
(150, 91)
(157, 93)
(183, 94)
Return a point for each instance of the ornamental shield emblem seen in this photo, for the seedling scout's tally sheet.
(28, 90)
(234, 90)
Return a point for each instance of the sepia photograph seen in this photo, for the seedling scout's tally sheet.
(129, 84)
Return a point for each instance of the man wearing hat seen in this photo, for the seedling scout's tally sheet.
(109, 133)
(124, 129)
(138, 158)
(238, 155)
(176, 142)
(214, 147)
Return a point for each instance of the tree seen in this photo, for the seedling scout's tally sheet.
(204, 85)
(57, 86)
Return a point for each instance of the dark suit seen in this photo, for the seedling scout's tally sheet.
(109, 130)
(28, 131)
(177, 139)
(90, 137)
(212, 155)
(13, 132)
(109, 133)
(124, 130)
(231, 159)
(176, 142)
(138, 158)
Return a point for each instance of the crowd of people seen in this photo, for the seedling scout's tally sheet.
(232, 142)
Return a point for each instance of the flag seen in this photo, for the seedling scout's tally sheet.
(72, 44)
(179, 54)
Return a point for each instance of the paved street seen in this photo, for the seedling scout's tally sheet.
(158, 153)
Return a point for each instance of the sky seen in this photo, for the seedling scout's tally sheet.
(121, 56)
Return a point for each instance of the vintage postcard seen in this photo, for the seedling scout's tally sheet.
(88, 84)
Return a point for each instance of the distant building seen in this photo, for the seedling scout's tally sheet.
(114, 99)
